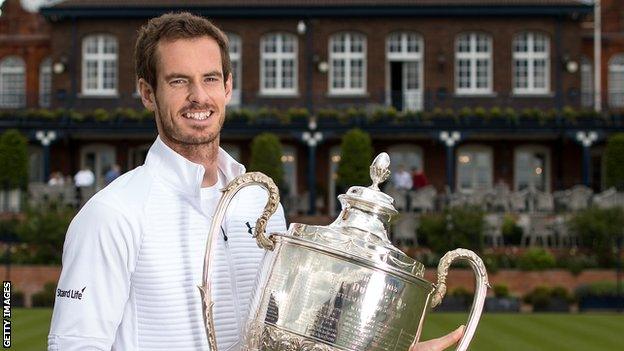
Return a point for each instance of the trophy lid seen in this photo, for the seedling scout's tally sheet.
(361, 229)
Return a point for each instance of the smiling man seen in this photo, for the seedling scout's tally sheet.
(135, 250)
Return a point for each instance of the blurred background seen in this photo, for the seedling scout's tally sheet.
(503, 120)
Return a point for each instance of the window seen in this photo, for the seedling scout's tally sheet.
(531, 63)
(35, 164)
(99, 65)
(474, 168)
(289, 161)
(99, 159)
(334, 161)
(278, 64)
(137, 155)
(408, 156)
(235, 59)
(12, 82)
(587, 83)
(532, 168)
(45, 82)
(404, 53)
(616, 81)
(473, 64)
(347, 63)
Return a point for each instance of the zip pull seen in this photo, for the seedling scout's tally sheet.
(224, 235)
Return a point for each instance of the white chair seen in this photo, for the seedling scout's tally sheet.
(544, 202)
(494, 229)
(563, 233)
(518, 200)
(579, 197)
(540, 229)
(606, 199)
(423, 199)
(404, 229)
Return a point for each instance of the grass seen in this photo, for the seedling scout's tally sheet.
(508, 332)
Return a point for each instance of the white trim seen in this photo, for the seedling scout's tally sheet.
(405, 150)
(99, 58)
(16, 67)
(532, 149)
(279, 56)
(531, 57)
(346, 57)
(406, 56)
(616, 72)
(472, 56)
(236, 56)
(45, 82)
(474, 149)
(587, 82)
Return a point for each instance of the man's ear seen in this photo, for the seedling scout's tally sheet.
(228, 88)
(147, 94)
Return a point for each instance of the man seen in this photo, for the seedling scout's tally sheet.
(133, 255)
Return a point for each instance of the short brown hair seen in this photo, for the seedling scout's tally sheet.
(172, 26)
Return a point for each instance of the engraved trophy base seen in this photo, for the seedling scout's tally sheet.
(267, 337)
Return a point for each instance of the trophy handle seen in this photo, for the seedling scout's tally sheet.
(481, 285)
(247, 179)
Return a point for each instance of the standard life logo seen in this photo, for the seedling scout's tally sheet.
(71, 293)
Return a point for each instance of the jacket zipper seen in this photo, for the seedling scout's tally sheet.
(232, 281)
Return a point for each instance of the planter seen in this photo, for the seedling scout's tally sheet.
(601, 303)
(554, 305)
(454, 304)
(502, 304)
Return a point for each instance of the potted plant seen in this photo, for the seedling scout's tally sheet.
(502, 301)
(600, 296)
(545, 299)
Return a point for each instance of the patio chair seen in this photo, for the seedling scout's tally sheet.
(404, 229)
(518, 200)
(544, 202)
(540, 229)
(606, 199)
(493, 229)
(579, 197)
(423, 200)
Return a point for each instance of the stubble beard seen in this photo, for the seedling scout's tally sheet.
(177, 136)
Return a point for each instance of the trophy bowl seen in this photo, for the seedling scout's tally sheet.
(343, 286)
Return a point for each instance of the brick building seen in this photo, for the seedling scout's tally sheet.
(451, 68)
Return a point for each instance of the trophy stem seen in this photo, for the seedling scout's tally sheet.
(238, 183)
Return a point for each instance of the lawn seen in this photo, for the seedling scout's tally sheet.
(508, 332)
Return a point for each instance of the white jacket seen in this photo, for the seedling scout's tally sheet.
(133, 258)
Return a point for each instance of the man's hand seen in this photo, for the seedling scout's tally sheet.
(440, 343)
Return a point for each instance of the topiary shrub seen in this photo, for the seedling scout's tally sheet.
(614, 161)
(501, 290)
(536, 259)
(266, 157)
(356, 155)
(13, 160)
(45, 297)
(457, 227)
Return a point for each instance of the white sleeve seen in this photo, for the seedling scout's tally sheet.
(98, 258)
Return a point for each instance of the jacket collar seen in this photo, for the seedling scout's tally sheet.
(183, 175)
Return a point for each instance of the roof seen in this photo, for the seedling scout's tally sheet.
(299, 3)
(314, 8)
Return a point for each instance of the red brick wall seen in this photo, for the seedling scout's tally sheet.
(31, 279)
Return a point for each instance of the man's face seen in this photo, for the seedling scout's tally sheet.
(190, 98)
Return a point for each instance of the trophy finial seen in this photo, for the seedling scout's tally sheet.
(379, 170)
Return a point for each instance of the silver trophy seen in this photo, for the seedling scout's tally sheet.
(342, 286)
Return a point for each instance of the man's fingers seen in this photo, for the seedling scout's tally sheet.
(440, 343)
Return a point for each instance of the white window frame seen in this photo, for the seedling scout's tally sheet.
(347, 56)
(405, 56)
(333, 162)
(35, 164)
(532, 149)
(99, 170)
(236, 55)
(404, 150)
(45, 83)
(279, 56)
(616, 81)
(99, 57)
(473, 56)
(531, 57)
(587, 82)
(13, 65)
(473, 149)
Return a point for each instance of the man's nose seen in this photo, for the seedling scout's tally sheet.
(198, 93)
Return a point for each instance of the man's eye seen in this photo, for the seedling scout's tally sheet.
(177, 82)
(212, 79)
